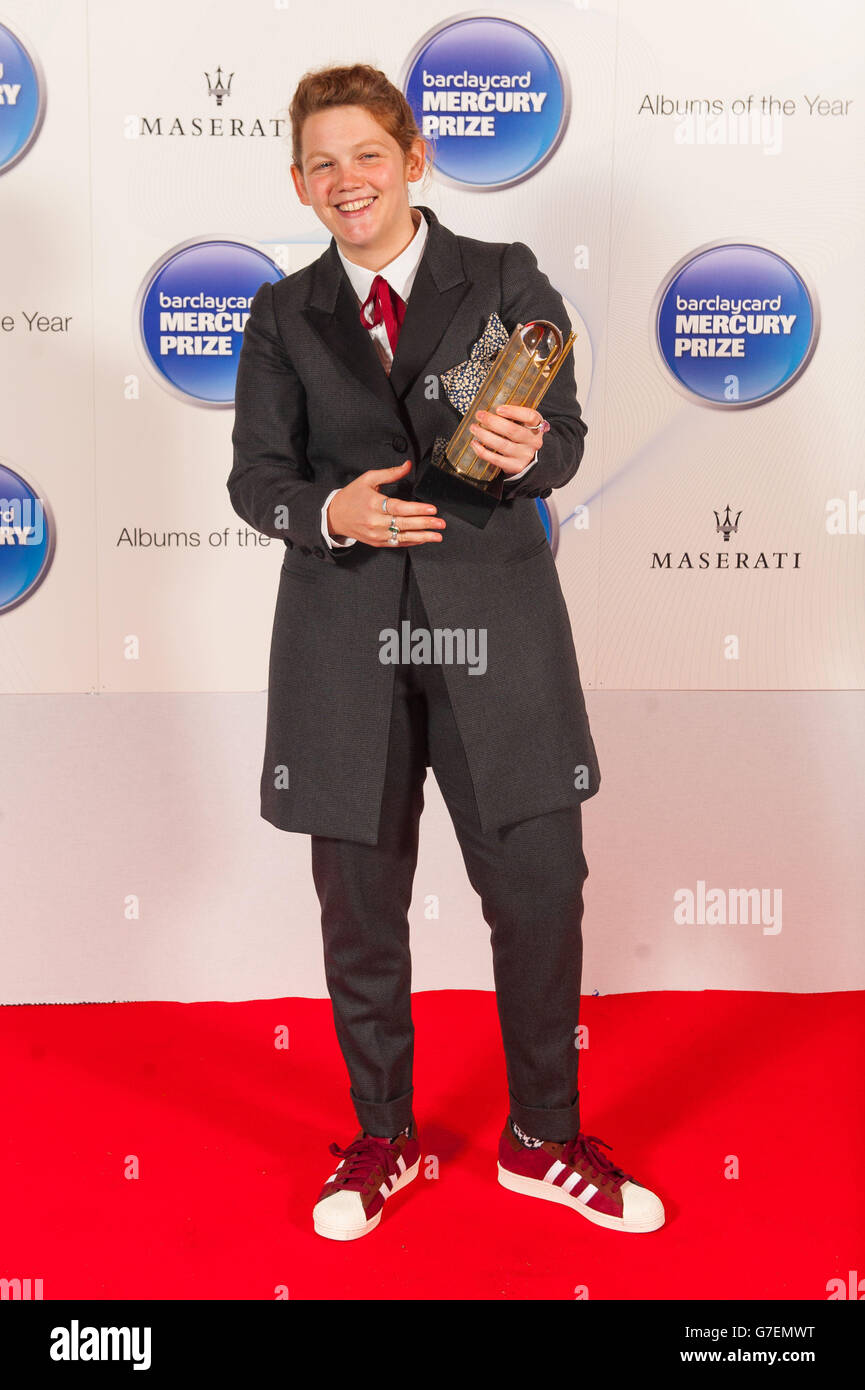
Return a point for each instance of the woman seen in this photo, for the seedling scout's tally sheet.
(341, 367)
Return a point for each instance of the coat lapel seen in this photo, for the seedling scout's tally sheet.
(333, 313)
(439, 286)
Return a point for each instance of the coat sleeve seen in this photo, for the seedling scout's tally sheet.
(271, 483)
(527, 294)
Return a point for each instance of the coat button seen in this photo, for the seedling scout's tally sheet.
(399, 442)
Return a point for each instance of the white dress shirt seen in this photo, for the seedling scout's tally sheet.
(400, 274)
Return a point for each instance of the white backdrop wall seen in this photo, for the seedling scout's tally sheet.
(726, 700)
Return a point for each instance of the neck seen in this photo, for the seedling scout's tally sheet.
(374, 257)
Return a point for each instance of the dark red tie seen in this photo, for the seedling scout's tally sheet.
(387, 307)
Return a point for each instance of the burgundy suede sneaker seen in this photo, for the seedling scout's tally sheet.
(577, 1175)
(370, 1170)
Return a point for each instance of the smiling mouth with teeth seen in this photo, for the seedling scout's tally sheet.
(356, 205)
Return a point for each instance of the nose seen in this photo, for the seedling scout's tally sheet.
(347, 178)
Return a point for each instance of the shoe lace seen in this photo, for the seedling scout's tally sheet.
(362, 1157)
(582, 1148)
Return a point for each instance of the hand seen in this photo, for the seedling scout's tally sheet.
(356, 512)
(506, 437)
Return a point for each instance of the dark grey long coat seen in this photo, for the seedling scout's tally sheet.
(314, 408)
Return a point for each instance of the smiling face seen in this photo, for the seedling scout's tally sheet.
(355, 178)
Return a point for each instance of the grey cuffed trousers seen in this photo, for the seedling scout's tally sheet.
(529, 877)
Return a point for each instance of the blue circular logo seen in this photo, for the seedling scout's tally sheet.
(26, 539)
(191, 312)
(547, 513)
(22, 99)
(490, 97)
(735, 324)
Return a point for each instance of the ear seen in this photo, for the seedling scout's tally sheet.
(300, 185)
(414, 161)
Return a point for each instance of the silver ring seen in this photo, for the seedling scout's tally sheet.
(543, 426)
(393, 538)
(384, 503)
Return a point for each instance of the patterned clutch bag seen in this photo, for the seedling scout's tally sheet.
(462, 383)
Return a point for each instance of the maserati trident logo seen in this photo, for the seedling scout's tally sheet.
(727, 526)
(223, 123)
(218, 89)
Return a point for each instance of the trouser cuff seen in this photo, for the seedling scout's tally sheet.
(384, 1118)
(557, 1125)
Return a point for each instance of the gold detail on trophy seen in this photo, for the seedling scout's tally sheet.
(521, 375)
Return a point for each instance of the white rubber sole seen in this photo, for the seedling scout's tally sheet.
(355, 1232)
(548, 1192)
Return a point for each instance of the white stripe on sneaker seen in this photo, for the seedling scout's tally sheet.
(572, 1181)
(586, 1194)
(401, 1165)
(553, 1171)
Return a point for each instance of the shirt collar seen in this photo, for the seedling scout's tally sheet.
(399, 272)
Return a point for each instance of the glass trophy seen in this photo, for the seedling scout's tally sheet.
(455, 477)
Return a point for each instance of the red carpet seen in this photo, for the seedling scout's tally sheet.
(199, 1095)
